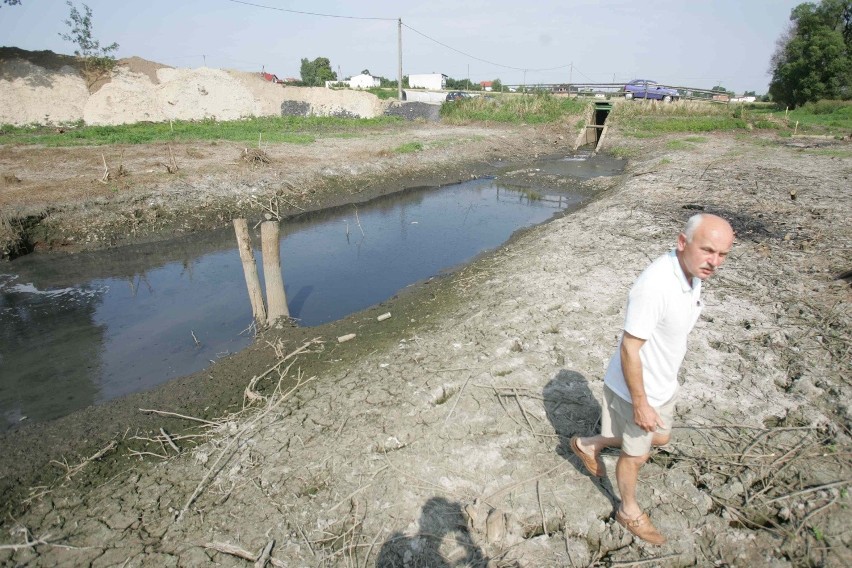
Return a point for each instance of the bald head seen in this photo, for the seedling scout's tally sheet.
(704, 245)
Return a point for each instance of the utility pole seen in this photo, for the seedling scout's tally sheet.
(468, 76)
(399, 60)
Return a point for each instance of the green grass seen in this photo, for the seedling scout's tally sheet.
(384, 93)
(288, 129)
(621, 152)
(536, 108)
(826, 117)
(685, 143)
(829, 152)
(823, 117)
(677, 145)
(409, 147)
(671, 124)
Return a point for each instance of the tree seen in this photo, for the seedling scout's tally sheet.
(96, 60)
(813, 58)
(496, 85)
(11, 2)
(315, 73)
(366, 72)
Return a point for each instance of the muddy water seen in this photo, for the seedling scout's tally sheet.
(81, 330)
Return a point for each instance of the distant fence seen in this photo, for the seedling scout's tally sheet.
(611, 90)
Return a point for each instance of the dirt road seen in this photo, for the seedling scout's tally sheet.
(439, 437)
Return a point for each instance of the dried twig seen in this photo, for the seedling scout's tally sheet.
(232, 550)
(170, 441)
(165, 413)
(811, 490)
(455, 402)
(71, 471)
(644, 561)
(265, 555)
(541, 507)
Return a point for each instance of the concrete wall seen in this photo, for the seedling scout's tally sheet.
(425, 96)
(431, 81)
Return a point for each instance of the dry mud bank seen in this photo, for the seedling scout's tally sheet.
(447, 443)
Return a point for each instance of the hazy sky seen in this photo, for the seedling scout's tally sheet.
(686, 42)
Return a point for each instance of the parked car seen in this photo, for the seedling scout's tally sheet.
(457, 96)
(645, 89)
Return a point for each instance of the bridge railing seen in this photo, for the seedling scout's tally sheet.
(610, 90)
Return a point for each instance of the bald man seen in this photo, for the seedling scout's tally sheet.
(640, 385)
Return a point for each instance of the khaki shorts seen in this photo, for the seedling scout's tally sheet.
(617, 422)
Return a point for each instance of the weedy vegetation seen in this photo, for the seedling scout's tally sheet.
(536, 108)
(286, 129)
(409, 147)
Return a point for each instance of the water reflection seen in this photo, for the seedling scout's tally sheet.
(96, 326)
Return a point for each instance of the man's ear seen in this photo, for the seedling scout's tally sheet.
(681, 242)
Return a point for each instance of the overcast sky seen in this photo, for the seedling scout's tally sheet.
(687, 42)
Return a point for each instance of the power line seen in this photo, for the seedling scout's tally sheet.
(479, 58)
(310, 13)
(413, 30)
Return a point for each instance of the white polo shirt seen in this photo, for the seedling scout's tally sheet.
(662, 309)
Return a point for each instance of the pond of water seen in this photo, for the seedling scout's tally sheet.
(82, 329)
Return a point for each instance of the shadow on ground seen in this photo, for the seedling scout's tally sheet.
(574, 411)
(442, 541)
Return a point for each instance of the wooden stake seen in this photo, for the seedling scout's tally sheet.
(250, 271)
(276, 298)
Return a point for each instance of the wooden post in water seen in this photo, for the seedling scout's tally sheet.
(250, 271)
(276, 298)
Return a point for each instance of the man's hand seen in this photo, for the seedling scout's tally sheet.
(647, 418)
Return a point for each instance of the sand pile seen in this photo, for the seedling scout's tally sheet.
(36, 91)
(34, 94)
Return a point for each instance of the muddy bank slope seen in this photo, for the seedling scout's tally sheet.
(60, 199)
(448, 445)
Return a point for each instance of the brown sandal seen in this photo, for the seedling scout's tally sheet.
(593, 464)
(641, 527)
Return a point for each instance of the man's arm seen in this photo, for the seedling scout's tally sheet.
(631, 365)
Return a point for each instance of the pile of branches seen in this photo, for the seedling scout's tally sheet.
(788, 480)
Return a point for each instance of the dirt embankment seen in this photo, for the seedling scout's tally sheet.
(441, 439)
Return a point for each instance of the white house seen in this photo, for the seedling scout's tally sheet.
(364, 82)
(431, 81)
(361, 81)
(743, 99)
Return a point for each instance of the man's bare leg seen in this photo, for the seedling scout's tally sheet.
(593, 445)
(626, 476)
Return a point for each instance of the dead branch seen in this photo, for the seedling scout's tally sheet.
(840, 483)
(255, 156)
(71, 471)
(541, 507)
(231, 447)
(350, 496)
(265, 555)
(165, 413)
(644, 561)
(170, 441)
(172, 167)
(455, 402)
(104, 177)
(232, 550)
(503, 490)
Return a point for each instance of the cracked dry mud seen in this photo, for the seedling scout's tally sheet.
(446, 442)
